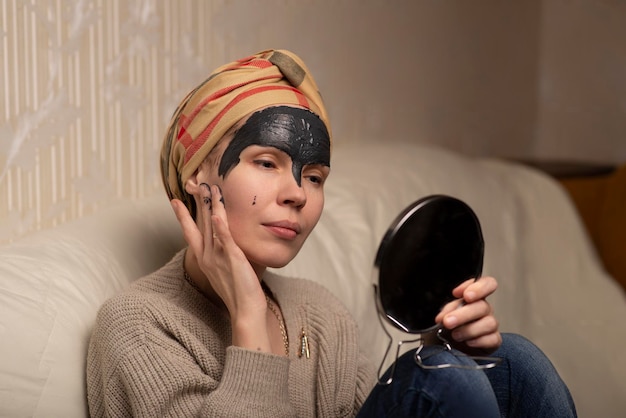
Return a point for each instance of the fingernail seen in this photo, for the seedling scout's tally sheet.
(470, 295)
(450, 321)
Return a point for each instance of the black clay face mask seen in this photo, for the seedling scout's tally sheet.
(299, 133)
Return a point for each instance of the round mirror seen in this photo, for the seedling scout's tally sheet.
(435, 244)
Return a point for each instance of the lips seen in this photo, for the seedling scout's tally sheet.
(283, 229)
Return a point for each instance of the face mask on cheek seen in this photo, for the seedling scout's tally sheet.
(297, 132)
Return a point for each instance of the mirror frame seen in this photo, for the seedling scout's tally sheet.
(428, 210)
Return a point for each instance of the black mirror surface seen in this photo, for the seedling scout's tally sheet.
(435, 244)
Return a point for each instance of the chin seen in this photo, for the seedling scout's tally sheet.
(275, 262)
(277, 265)
(274, 258)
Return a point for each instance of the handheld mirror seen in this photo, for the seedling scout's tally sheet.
(434, 245)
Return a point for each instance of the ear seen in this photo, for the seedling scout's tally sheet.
(192, 184)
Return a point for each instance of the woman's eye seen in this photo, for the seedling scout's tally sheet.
(315, 179)
(265, 163)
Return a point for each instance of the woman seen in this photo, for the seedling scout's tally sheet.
(213, 333)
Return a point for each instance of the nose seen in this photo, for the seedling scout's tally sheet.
(291, 193)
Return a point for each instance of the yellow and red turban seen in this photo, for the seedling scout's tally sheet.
(272, 77)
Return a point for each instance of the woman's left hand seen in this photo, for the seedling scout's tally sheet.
(470, 319)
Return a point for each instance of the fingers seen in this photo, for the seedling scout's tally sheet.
(219, 209)
(466, 313)
(206, 207)
(200, 236)
(486, 343)
(474, 328)
(468, 292)
(473, 290)
(474, 331)
(470, 317)
(481, 344)
(191, 233)
(219, 220)
(457, 292)
(448, 307)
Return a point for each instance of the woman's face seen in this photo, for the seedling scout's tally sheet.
(272, 171)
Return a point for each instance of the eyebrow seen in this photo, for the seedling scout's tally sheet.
(317, 165)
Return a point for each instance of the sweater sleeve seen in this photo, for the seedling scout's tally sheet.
(254, 384)
(365, 381)
(134, 372)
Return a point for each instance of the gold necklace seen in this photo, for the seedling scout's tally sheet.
(281, 323)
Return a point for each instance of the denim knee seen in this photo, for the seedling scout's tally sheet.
(448, 392)
(527, 382)
(527, 360)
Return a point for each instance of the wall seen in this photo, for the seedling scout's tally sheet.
(89, 85)
(582, 106)
(454, 73)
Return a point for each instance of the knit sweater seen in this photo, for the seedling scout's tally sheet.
(161, 348)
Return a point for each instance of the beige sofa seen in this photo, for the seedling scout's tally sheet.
(552, 286)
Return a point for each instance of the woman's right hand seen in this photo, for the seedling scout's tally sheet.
(226, 267)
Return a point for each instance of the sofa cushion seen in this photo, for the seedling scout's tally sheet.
(51, 286)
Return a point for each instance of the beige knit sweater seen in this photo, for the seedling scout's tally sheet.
(161, 348)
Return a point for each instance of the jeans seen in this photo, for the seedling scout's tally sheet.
(524, 384)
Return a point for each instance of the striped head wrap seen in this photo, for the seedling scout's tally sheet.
(272, 77)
